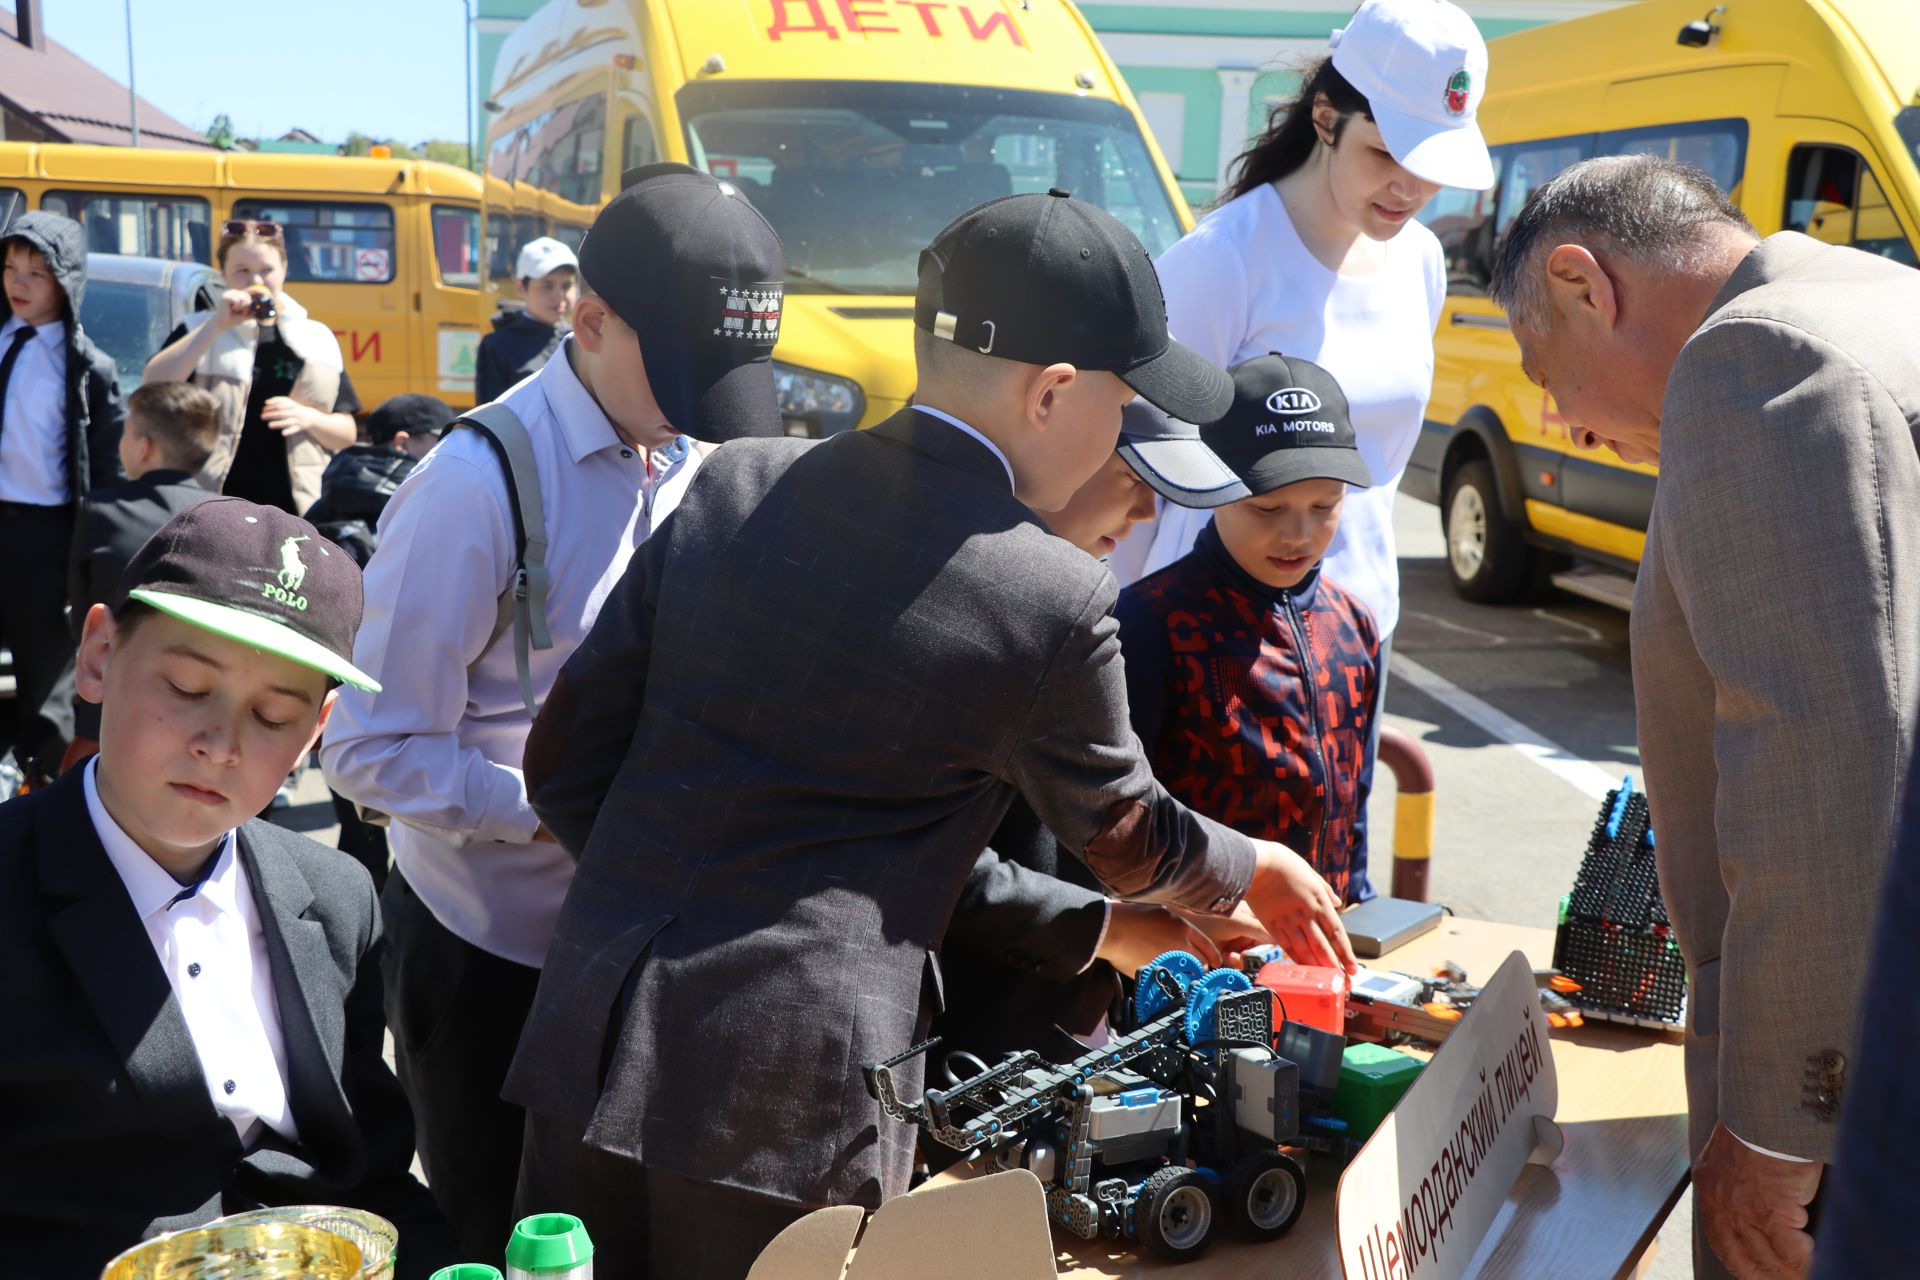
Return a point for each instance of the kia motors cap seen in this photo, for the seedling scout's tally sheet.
(1422, 67)
(1174, 461)
(541, 258)
(256, 575)
(693, 268)
(1288, 423)
(1047, 279)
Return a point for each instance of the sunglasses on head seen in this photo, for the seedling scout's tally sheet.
(241, 227)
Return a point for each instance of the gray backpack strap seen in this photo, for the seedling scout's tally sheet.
(523, 606)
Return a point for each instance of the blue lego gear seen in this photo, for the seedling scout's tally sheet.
(1149, 999)
(1204, 994)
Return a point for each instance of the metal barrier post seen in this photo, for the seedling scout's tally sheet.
(1413, 812)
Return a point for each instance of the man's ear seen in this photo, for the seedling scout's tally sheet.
(98, 639)
(590, 321)
(1043, 393)
(1578, 285)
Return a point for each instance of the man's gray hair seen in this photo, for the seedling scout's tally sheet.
(1653, 211)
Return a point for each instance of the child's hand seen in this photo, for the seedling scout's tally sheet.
(1234, 934)
(1299, 909)
(287, 415)
(1139, 931)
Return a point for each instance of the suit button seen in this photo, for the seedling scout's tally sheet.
(229, 1086)
(193, 970)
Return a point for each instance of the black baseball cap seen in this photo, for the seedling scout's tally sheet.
(1174, 461)
(1047, 279)
(413, 413)
(694, 269)
(1288, 423)
(257, 575)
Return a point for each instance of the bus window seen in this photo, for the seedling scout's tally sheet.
(570, 235)
(564, 149)
(637, 146)
(1833, 196)
(1717, 148)
(1528, 165)
(1463, 223)
(12, 201)
(506, 234)
(330, 243)
(456, 245)
(177, 227)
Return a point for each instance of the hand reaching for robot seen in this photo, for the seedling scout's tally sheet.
(1137, 932)
(1299, 909)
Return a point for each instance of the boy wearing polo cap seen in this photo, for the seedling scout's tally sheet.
(1253, 679)
(193, 1019)
(523, 339)
(653, 363)
(794, 726)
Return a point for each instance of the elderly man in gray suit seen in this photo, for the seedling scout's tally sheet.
(1776, 629)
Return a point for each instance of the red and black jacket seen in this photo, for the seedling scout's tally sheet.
(1256, 704)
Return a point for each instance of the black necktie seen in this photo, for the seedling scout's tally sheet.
(20, 337)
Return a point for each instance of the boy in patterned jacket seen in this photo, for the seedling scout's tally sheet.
(1252, 679)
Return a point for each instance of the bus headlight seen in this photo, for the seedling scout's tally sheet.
(816, 404)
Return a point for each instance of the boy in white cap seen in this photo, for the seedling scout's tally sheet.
(521, 340)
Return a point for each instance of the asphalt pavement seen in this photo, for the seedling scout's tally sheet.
(1527, 714)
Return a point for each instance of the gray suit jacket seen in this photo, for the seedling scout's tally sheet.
(1776, 660)
(801, 715)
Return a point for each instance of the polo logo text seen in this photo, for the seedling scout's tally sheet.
(1459, 91)
(1293, 400)
(292, 576)
(748, 312)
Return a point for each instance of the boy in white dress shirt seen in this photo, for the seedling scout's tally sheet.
(193, 1023)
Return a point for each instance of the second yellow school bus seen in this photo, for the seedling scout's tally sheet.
(1807, 112)
(385, 252)
(858, 127)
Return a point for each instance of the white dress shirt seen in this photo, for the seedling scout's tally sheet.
(952, 421)
(210, 943)
(33, 421)
(439, 750)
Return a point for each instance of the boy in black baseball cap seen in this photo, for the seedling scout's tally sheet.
(795, 723)
(195, 1023)
(1282, 712)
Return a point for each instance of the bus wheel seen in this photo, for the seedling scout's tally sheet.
(1486, 556)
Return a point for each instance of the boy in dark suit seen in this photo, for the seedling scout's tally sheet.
(170, 433)
(797, 720)
(193, 1020)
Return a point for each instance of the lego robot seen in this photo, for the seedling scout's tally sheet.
(1154, 1137)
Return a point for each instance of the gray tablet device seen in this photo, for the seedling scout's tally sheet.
(1381, 924)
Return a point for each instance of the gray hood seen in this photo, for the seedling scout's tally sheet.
(65, 247)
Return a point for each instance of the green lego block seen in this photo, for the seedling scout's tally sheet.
(1373, 1078)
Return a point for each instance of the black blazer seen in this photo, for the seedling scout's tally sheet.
(107, 1135)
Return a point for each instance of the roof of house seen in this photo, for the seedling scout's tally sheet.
(77, 100)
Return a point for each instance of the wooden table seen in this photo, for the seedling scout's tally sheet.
(1591, 1215)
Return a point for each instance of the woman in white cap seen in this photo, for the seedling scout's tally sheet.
(1314, 252)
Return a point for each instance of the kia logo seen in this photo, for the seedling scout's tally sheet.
(1292, 400)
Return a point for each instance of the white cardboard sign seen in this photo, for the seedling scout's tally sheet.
(1419, 1197)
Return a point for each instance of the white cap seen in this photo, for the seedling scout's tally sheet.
(541, 258)
(1422, 67)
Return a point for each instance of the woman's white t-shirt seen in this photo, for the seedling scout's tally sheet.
(1242, 284)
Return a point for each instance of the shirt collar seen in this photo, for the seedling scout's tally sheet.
(581, 422)
(152, 889)
(54, 335)
(952, 421)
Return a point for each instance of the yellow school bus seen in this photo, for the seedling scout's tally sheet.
(1802, 110)
(385, 252)
(859, 127)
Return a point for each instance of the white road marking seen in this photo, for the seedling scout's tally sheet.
(1583, 775)
(1585, 630)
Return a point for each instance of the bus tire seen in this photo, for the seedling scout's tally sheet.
(1486, 555)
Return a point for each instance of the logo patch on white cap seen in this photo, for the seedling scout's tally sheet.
(1459, 92)
(747, 313)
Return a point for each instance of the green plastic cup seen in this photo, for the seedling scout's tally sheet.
(550, 1246)
(466, 1271)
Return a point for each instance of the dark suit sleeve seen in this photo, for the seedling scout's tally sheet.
(1077, 761)
(380, 1110)
(107, 411)
(1026, 919)
(79, 557)
(1149, 666)
(581, 740)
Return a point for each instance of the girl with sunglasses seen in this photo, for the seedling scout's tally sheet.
(286, 404)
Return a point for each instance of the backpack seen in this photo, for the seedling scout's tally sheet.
(523, 605)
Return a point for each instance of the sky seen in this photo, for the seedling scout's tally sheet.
(388, 68)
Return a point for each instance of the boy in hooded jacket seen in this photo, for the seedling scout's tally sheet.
(521, 340)
(60, 418)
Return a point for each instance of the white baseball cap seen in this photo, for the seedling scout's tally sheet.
(541, 258)
(1422, 67)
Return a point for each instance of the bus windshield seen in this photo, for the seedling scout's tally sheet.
(858, 177)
